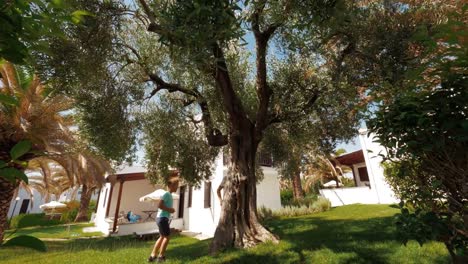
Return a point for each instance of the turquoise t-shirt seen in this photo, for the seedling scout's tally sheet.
(167, 199)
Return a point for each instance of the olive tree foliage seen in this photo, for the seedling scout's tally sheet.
(332, 118)
(173, 143)
(83, 65)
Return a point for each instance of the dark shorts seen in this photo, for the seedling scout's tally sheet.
(163, 224)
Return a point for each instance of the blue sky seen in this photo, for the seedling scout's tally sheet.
(350, 146)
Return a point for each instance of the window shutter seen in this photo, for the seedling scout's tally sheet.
(207, 194)
(190, 196)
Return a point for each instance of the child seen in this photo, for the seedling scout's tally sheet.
(165, 211)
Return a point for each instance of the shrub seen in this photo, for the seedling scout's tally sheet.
(347, 182)
(91, 208)
(70, 212)
(287, 196)
(321, 205)
(264, 214)
(27, 220)
(424, 131)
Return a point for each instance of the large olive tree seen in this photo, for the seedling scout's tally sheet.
(208, 74)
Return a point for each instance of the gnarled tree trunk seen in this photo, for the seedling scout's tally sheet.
(86, 193)
(6, 194)
(238, 225)
(297, 186)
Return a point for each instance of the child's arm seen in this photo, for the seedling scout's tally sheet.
(163, 206)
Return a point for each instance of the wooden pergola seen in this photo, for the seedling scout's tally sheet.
(121, 178)
(350, 159)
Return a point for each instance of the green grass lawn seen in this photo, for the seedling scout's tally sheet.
(59, 231)
(349, 234)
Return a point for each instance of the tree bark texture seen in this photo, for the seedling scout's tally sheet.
(86, 193)
(297, 186)
(239, 225)
(6, 194)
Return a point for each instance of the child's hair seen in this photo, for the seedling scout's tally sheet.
(172, 180)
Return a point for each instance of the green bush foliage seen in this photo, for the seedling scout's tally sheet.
(69, 213)
(425, 132)
(27, 220)
(287, 196)
(320, 205)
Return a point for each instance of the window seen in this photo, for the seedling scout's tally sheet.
(24, 206)
(181, 201)
(189, 197)
(207, 194)
(363, 176)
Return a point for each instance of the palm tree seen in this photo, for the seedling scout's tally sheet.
(320, 168)
(89, 172)
(36, 116)
(47, 177)
(53, 175)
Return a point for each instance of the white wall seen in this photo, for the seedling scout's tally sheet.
(131, 193)
(34, 202)
(68, 194)
(99, 219)
(378, 191)
(268, 190)
(204, 220)
(352, 195)
(375, 170)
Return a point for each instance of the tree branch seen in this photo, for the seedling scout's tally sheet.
(294, 115)
(264, 92)
(148, 11)
(213, 135)
(231, 101)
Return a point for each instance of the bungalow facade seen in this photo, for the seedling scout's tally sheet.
(368, 174)
(197, 210)
(26, 203)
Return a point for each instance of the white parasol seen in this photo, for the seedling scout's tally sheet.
(156, 196)
(53, 205)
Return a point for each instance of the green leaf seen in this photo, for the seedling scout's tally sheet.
(12, 174)
(8, 100)
(79, 15)
(3, 164)
(20, 149)
(26, 241)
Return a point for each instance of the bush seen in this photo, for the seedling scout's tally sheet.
(264, 214)
(69, 213)
(320, 205)
(347, 182)
(27, 220)
(287, 197)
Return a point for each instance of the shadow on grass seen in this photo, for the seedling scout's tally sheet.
(365, 241)
(307, 239)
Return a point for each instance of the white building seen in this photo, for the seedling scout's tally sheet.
(197, 209)
(368, 173)
(24, 203)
